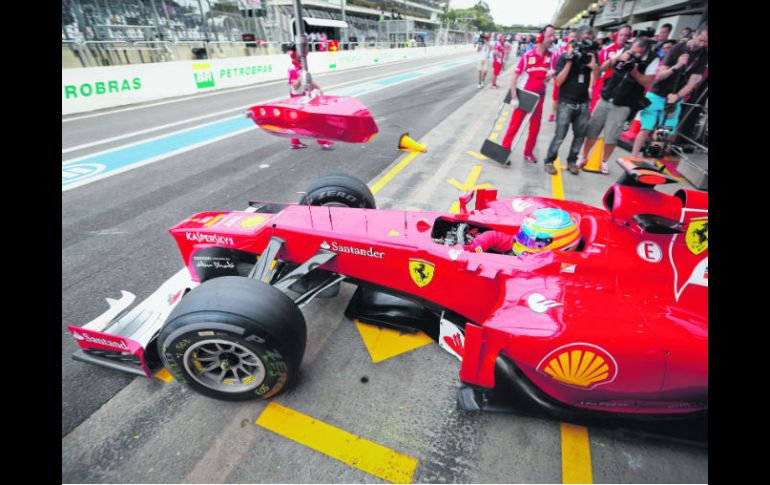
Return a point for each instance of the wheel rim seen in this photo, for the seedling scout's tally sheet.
(224, 366)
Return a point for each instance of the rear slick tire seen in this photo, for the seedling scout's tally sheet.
(234, 339)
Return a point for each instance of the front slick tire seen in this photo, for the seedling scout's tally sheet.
(234, 338)
(339, 190)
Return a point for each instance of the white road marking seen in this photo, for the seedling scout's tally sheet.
(155, 159)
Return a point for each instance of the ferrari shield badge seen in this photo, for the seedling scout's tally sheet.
(690, 260)
(421, 272)
(697, 237)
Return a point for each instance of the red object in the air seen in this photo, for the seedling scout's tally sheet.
(336, 118)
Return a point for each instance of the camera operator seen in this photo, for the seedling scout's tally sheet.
(680, 73)
(632, 72)
(574, 69)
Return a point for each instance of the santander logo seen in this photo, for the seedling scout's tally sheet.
(116, 345)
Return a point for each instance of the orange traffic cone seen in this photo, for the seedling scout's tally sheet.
(406, 143)
(633, 130)
(594, 163)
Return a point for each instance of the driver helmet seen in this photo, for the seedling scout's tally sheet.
(547, 229)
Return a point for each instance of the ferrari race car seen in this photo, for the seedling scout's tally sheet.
(616, 328)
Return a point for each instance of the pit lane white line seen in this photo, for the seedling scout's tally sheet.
(238, 108)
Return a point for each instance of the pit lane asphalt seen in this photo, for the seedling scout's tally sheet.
(116, 428)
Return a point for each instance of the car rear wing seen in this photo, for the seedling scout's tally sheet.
(120, 339)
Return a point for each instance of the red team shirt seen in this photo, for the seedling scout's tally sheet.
(536, 68)
(604, 54)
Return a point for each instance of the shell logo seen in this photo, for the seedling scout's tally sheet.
(580, 364)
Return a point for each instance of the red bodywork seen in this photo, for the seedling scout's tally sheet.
(337, 118)
(619, 326)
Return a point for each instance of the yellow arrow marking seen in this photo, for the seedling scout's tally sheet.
(456, 184)
(384, 343)
(348, 448)
(467, 186)
(476, 155)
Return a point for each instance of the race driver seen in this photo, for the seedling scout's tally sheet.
(547, 229)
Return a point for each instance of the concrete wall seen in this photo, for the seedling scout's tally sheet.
(93, 88)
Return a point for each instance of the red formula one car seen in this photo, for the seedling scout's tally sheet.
(617, 328)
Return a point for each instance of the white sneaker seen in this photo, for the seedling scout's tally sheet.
(478, 86)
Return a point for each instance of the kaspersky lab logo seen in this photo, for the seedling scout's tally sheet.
(204, 77)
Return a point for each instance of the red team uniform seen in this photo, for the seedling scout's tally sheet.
(606, 53)
(537, 68)
(499, 56)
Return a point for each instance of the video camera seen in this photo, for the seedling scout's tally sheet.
(658, 144)
(581, 49)
(628, 66)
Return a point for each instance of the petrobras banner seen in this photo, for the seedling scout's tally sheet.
(92, 88)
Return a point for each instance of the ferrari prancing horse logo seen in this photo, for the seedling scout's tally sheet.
(697, 237)
(421, 271)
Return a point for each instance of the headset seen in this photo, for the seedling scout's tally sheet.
(541, 35)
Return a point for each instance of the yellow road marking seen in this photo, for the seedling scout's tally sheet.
(501, 119)
(164, 375)
(575, 455)
(499, 127)
(557, 186)
(575, 448)
(456, 184)
(476, 155)
(466, 186)
(384, 343)
(348, 448)
(394, 171)
(494, 136)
